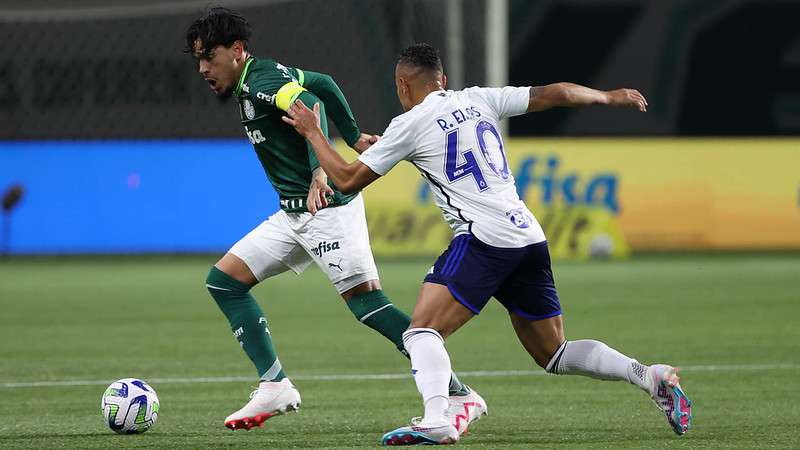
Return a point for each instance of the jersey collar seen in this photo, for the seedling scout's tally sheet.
(238, 89)
(438, 93)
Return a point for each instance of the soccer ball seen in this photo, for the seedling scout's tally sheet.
(130, 406)
(601, 246)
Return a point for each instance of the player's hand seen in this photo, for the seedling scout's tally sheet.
(627, 97)
(304, 120)
(318, 191)
(365, 141)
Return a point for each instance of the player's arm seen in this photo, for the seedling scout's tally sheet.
(337, 107)
(571, 95)
(318, 189)
(348, 177)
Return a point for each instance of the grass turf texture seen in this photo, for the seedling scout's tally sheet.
(151, 317)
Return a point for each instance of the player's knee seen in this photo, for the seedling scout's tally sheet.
(420, 321)
(218, 281)
(361, 289)
(444, 322)
(442, 327)
(210, 276)
(367, 304)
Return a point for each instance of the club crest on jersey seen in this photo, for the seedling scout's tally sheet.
(248, 109)
(325, 247)
(519, 218)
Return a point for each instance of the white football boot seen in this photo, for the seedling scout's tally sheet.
(666, 392)
(420, 433)
(466, 409)
(272, 398)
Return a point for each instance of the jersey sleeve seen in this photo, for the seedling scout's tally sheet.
(396, 144)
(324, 87)
(309, 99)
(279, 87)
(508, 101)
(298, 74)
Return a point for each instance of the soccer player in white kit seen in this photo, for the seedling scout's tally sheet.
(498, 250)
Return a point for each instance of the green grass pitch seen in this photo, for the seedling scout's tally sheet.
(730, 320)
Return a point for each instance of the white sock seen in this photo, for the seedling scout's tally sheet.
(597, 360)
(430, 365)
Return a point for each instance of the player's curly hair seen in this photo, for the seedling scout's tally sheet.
(218, 26)
(422, 55)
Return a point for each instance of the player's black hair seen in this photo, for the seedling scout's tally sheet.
(423, 56)
(218, 26)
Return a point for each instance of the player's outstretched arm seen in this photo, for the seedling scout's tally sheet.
(571, 95)
(324, 87)
(348, 178)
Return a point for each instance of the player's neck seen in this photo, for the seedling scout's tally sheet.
(426, 91)
(243, 64)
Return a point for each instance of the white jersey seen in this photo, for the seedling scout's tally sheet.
(452, 137)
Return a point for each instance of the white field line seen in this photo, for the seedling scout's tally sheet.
(376, 376)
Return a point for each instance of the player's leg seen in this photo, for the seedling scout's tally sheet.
(544, 340)
(339, 241)
(264, 252)
(531, 298)
(459, 285)
(229, 282)
(436, 315)
(371, 307)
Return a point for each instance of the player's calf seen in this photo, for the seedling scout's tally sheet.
(247, 321)
(597, 360)
(374, 310)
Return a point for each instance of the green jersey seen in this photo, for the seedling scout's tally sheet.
(265, 90)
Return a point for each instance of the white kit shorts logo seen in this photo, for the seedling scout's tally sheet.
(325, 247)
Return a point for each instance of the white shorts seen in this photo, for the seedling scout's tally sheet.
(335, 238)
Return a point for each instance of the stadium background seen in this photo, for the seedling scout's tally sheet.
(121, 153)
(120, 148)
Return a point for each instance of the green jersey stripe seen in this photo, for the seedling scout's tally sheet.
(238, 89)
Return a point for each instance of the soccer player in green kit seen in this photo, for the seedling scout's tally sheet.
(316, 223)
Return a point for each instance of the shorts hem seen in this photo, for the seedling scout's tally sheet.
(250, 264)
(527, 316)
(352, 280)
(458, 297)
(461, 300)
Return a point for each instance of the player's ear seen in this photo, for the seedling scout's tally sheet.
(444, 81)
(238, 49)
(404, 88)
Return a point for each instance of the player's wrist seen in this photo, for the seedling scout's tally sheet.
(315, 135)
(352, 138)
(319, 172)
(606, 98)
